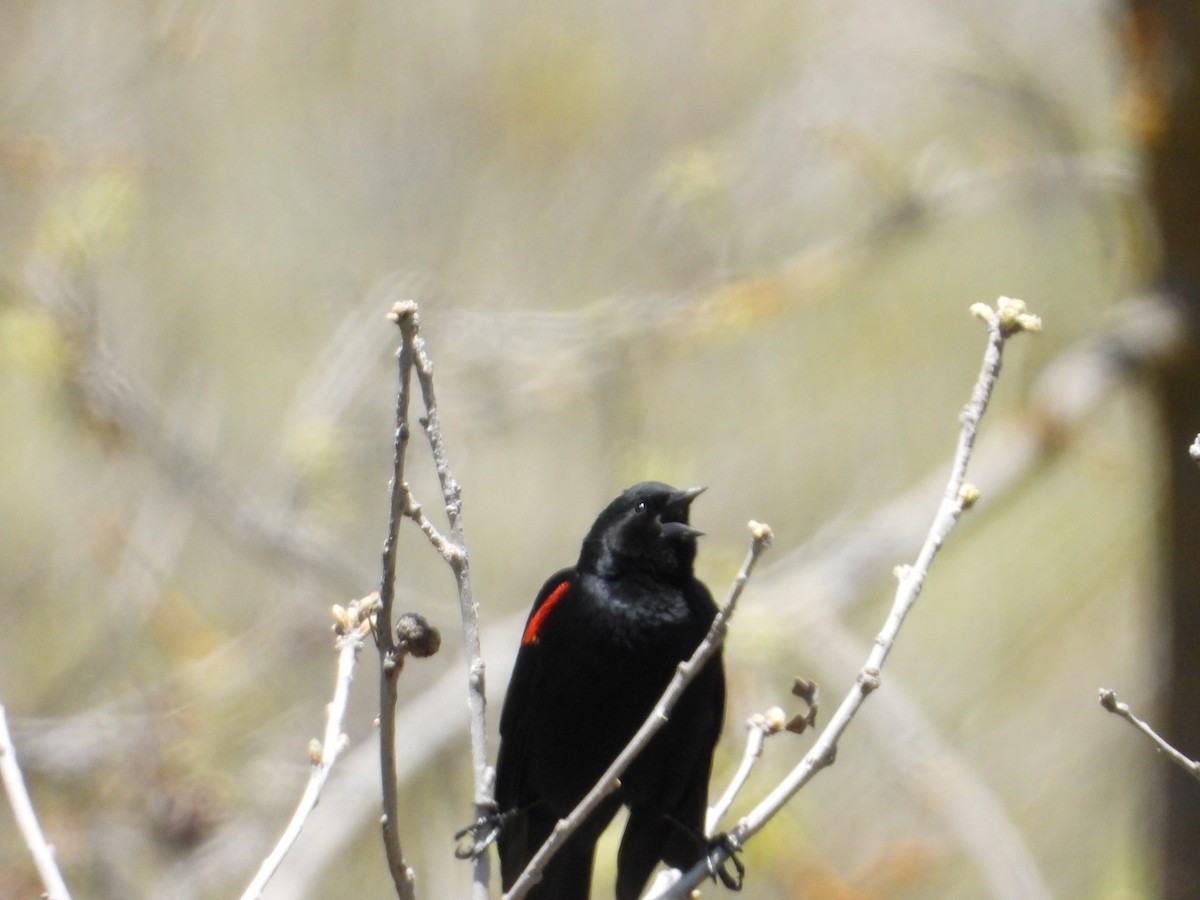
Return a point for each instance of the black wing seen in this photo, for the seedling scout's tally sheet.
(524, 829)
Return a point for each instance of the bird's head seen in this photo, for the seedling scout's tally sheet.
(645, 529)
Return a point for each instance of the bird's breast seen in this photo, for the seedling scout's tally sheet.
(635, 616)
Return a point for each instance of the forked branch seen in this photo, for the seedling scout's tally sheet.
(1009, 317)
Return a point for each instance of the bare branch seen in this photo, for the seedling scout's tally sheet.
(759, 727)
(1009, 317)
(610, 781)
(454, 552)
(27, 822)
(352, 626)
(1108, 699)
(390, 660)
(438, 721)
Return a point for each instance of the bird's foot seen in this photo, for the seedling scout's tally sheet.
(724, 844)
(480, 834)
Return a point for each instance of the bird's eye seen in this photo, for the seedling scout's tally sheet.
(641, 507)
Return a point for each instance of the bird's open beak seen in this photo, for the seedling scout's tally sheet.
(686, 496)
(675, 513)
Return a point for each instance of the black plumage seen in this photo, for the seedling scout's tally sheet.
(599, 647)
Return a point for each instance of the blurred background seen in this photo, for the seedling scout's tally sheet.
(716, 243)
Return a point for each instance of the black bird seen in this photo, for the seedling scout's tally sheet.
(600, 645)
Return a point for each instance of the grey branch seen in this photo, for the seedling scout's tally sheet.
(437, 717)
(27, 821)
(610, 781)
(759, 727)
(390, 658)
(1009, 317)
(352, 626)
(454, 552)
(1109, 701)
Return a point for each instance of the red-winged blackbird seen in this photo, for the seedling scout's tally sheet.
(599, 647)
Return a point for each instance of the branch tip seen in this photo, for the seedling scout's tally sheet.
(1015, 316)
(404, 314)
(983, 311)
(761, 533)
(357, 618)
(1010, 316)
(772, 721)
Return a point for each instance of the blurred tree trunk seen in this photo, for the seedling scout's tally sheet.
(1164, 48)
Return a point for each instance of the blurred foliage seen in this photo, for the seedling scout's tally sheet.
(720, 243)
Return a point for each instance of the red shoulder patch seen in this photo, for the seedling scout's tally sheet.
(536, 620)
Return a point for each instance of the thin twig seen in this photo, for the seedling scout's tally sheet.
(685, 672)
(1109, 701)
(27, 821)
(759, 727)
(353, 626)
(454, 551)
(389, 660)
(437, 718)
(1008, 318)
